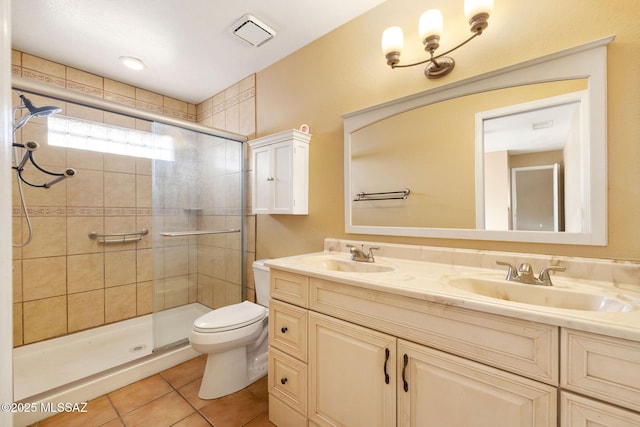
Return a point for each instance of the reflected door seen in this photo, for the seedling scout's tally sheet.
(536, 193)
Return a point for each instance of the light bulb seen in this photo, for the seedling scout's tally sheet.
(430, 24)
(475, 7)
(392, 40)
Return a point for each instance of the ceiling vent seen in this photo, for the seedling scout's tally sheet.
(253, 31)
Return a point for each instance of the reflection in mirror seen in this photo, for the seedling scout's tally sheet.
(532, 173)
(459, 151)
(437, 162)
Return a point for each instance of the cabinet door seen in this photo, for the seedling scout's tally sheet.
(437, 389)
(282, 183)
(347, 382)
(262, 180)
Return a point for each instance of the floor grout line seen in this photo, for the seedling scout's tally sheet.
(255, 389)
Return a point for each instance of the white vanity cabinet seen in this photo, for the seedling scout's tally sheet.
(355, 370)
(351, 374)
(603, 368)
(288, 343)
(280, 173)
(439, 389)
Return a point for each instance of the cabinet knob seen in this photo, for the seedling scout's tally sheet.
(270, 178)
(284, 329)
(284, 380)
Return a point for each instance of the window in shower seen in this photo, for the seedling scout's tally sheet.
(71, 132)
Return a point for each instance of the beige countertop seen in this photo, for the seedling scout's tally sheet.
(432, 281)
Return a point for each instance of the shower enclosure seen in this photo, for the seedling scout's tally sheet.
(146, 236)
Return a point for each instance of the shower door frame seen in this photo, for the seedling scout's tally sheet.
(32, 86)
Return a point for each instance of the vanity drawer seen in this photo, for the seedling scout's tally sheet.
(288, 329)
(580, 411)
(602, 367)
(289, 287)
(518, 346)
(288, 380)
(283, 415)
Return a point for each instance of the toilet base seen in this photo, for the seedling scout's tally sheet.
(226, 373)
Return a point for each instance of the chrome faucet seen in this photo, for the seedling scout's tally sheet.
(524, 274)
(359, 254)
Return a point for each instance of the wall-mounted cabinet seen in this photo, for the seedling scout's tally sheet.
(280, 173)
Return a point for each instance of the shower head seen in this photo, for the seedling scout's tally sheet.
(39, 112)
(33, 112)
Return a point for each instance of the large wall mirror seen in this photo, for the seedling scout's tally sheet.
(517, 154)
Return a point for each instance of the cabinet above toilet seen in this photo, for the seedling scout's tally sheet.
(280, 173)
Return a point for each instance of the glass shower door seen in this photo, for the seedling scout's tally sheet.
(197, 229)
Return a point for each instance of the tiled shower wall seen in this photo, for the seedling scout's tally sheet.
(64, 281)
(234, 111)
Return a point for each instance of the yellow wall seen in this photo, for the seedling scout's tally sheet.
(345, 71)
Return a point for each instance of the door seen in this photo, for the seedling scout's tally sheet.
(282, 170)
(537, 204)
(436, 389)
(351, 374)
(262, 180)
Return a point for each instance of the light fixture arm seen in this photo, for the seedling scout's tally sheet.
(432, 58)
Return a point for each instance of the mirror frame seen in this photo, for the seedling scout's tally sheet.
(588, 61)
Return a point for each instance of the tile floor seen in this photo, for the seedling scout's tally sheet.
(170, 398)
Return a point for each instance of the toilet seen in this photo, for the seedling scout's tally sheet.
(235, 338)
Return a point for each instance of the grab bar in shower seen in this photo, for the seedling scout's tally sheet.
(388, 195)
(119, 237)
(197, 233)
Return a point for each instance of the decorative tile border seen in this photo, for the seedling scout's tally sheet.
(120, 99)
(44, 78)
(87, 90)
(80, 211)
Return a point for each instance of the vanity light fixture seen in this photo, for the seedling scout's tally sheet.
(133, 63)
(430, 29)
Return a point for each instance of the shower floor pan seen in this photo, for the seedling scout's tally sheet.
(48, 365)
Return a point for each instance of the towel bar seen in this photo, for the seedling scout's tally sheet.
(119, 237)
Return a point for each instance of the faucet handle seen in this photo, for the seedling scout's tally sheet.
(512, 273)
(370, 255)
(544, 273)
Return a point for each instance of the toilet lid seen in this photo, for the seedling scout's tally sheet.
(230, 317)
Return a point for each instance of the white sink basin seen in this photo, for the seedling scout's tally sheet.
(335, 263)
(547, 296)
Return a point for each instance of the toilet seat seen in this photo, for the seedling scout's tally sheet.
(230, 317)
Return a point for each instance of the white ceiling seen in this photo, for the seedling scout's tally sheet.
(187, 45)
(541, 129)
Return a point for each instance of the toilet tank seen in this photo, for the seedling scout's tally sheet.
(261, 278)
